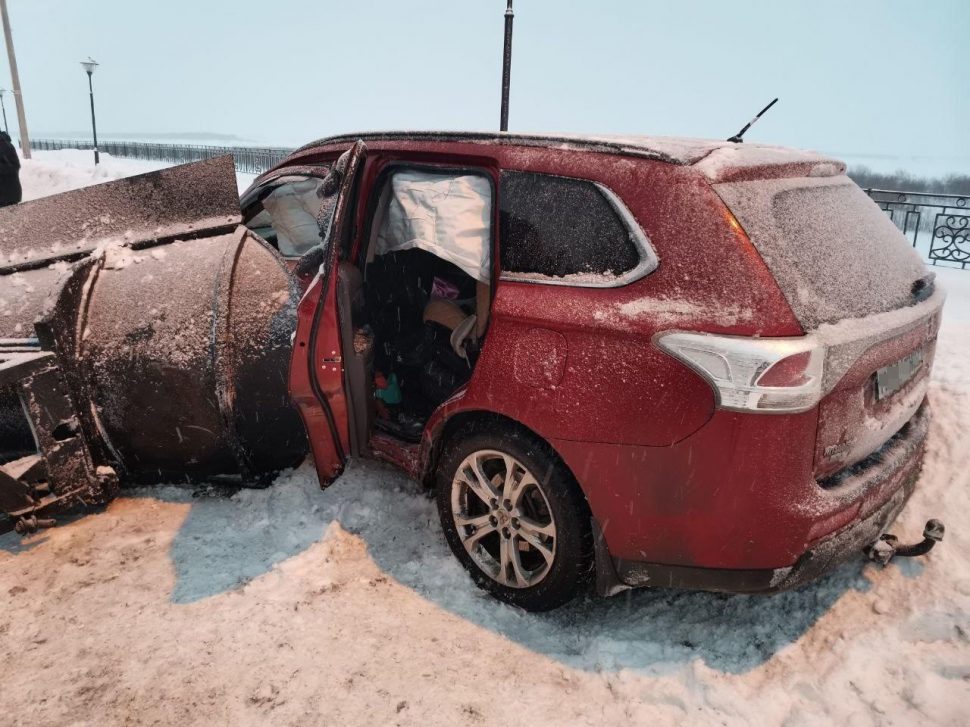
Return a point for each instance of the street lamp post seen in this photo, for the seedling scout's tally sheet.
(89, 65)
(506, 69)
(18, 95)
(4, 109)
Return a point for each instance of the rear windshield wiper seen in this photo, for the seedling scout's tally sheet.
(923, 288)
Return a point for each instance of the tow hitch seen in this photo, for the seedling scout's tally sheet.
(887, 546)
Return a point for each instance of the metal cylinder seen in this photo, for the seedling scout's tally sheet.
(186, 354)
(180, 356)
(169, 321)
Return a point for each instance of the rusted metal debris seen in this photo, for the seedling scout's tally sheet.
(175, 203)
(146, 338)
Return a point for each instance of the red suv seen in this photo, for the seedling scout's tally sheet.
(638, 361)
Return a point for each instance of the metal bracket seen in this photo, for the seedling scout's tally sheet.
(63, 473)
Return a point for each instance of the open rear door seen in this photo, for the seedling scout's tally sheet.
(316, 365)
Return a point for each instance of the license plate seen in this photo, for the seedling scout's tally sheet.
(893, 377)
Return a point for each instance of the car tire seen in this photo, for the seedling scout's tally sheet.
(536, 552)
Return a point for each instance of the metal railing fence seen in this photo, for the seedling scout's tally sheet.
(938, 225)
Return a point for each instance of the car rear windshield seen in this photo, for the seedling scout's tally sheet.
(834, 253)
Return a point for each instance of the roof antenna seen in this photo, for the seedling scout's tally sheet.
(737, 137)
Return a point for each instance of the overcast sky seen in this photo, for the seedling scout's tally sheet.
(883, 83)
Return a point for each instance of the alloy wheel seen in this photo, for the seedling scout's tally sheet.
(503, 518)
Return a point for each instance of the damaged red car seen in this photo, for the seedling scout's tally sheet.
(617, 362)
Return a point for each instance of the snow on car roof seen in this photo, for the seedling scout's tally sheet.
(712, 157)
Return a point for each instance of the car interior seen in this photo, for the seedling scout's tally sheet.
(414, 305)
(426, 271)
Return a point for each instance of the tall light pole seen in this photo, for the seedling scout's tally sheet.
(506, 68)
(18, 96)
(4, 109)
(89, 65)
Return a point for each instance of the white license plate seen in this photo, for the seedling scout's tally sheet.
(893, 377)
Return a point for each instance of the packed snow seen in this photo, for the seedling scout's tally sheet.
(293, 605)
(670, 311)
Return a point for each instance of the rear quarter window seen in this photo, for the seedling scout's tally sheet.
(562, 228)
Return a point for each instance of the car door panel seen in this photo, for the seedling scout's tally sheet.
(317, 362)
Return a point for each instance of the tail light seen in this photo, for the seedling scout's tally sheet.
(753, 374)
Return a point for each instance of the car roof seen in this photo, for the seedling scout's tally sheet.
(714, 158)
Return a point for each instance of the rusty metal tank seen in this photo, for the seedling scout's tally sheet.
(171, 323)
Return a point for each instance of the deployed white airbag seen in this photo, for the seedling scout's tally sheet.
(293, 210)
(447, 215)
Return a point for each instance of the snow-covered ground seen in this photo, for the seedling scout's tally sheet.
(294, 606)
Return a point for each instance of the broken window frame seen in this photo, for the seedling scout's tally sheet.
(255, 195)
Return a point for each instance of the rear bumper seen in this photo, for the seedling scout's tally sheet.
(824, 556)
(889, 479)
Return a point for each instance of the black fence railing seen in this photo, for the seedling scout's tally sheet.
(248, 159)
(938, 225)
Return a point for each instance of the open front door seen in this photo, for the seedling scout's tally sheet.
(316, 365)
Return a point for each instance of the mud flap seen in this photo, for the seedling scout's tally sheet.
(608, 583)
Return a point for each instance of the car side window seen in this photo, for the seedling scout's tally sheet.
(291, 213)
(557, 227)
